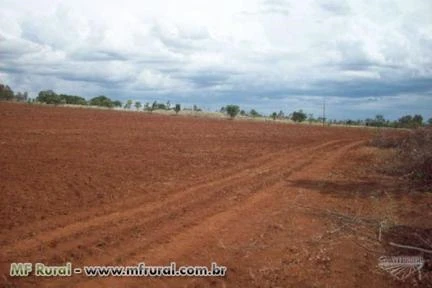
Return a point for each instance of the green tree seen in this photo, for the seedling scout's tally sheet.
(75, 100)
(147, 106)
(409, 121)
(48, 97)
(138, 105)
(177, 108)
(417, 120)
(154, 106)
(430, 121)
(161, 106)
(379, 121)
(232, 110)
(254, 113)
(128, 104)
(298, 116)
(196, 108)
(117, 103)
(274, 115)
(242, 113)
(6, 92)
(351, 122)
(405, 121)
(101, 101)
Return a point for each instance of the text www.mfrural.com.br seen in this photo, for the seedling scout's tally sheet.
(140, 270)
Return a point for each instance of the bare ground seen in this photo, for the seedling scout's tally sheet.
(279, 205)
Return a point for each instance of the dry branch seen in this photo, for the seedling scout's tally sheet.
(411, 247)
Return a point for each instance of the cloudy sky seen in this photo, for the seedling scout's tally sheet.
(363, 57)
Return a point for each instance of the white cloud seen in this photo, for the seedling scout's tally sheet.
(235, 51)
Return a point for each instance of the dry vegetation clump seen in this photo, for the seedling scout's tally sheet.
(413, 154)
(388, 138)
(416, 153)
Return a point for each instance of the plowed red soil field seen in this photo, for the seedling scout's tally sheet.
(96, 187)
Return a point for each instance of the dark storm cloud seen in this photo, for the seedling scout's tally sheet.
(206, 78)
(358, 88)
(12, 70)
(89, 78)
(372, 87)
(97, 55)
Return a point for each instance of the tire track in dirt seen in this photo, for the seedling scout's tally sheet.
(182, 197)
(200, 234)
(204, 210)
(48, 226)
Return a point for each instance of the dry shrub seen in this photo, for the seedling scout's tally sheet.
(387, 138)
(413, 154)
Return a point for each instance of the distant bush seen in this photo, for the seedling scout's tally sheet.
(147, 107)
(117, 103)
(254, 113)
(298, 116)
(138, 105)
(177, 108)
(128, 104)
(196, 108)
(158, 106)
(161, 106)
(281, 115)
(378, 121)
(101, 101)
(232, 110)
(409, 121)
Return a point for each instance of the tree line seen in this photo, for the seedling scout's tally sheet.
(407, 121)
(234, 110)
(50, 97)
(7, 94)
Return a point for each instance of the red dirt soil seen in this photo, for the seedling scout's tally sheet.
(96, 187)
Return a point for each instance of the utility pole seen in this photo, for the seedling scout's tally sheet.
(324, 119)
